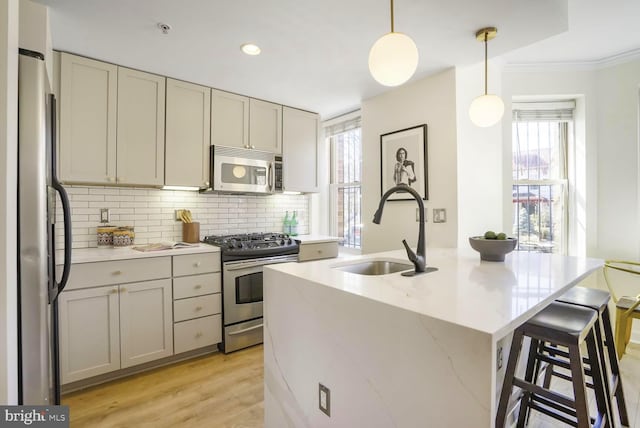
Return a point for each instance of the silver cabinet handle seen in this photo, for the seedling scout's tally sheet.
(253, 147)
(109, 178)
(244, 330)
(198, 334)
(206, 183)
(123, 289)
(117, 272)
(114, 290)
(196, 264)
(198, 287)
(198, 308)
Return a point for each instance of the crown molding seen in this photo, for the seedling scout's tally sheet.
(610, 61)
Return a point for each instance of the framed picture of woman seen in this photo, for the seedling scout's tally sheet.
(403, 161)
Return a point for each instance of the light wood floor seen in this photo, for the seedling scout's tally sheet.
(214, 391)
(226, 391)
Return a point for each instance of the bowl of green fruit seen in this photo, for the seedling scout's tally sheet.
(493, 246)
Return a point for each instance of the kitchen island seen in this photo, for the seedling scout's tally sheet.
(396, 351)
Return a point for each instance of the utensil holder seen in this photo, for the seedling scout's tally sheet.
(191, 232)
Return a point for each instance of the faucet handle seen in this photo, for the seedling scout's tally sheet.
(412, 256)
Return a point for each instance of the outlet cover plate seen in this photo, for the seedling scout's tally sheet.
(105, 215)
(439, 215)
(324, 399)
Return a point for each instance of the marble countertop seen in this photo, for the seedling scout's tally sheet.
(316, 239)
(88, 255)
(490, 297)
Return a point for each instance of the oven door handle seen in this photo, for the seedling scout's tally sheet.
(247, 265)
(244, 330)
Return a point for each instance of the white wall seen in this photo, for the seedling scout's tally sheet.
(432, 101)
(617, 136)
(8, 160)
(480, 159)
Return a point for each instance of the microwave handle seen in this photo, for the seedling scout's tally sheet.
(271, 177)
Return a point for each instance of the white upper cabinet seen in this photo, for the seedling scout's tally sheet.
(140, 130)
(188, 131)
(229, 119)
(265, 126)
(88, 103)
(300, 150)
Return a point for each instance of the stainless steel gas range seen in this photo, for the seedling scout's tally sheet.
(243, 258)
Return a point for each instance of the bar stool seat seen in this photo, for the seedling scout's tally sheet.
(566, 325)
(598, 300)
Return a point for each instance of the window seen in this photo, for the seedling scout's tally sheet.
(542, 133)
(345, 144)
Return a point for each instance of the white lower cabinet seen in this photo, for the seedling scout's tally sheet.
(119, 314)
(113, 315)
(197, 305)
(89, 333)
(146, 322)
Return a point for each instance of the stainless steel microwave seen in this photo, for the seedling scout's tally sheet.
(236, 170)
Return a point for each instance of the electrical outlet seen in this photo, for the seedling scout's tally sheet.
(324, 399)
(439, 215)
(105, 215)
(179, 215)
(499, 357)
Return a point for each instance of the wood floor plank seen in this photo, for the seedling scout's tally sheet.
(213, 391)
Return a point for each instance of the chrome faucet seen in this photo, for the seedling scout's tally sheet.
(418, 260)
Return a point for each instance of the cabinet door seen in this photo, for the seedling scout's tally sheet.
(188, 132)
(88, 94)
(229, 119)
(89, 336)
(146, 322)
(265, 126)
(300, 150)
(140, 128)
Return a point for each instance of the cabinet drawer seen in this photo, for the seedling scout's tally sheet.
(196, 285)
(196, 307)
(85, 275)
(197, 333)
(191, 264)
(323, 250)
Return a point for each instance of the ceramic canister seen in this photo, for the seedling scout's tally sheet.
(105, 235)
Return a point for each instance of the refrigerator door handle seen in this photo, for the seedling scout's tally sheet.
(66, 207)
(66, 212)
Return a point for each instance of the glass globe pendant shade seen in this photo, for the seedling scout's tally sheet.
(393, 59)
(486, 110)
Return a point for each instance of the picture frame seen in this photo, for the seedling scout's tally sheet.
(410, 168)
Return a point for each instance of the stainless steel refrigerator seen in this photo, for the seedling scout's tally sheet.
(38, 288)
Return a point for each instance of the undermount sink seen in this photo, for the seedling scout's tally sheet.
(375, 267)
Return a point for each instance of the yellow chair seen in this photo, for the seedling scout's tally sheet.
(627, 308)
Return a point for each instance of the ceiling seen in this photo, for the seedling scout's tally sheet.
(314, 54)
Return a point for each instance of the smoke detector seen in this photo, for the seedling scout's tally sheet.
(164, 27)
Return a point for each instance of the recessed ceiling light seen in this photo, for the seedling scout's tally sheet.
(250, 49)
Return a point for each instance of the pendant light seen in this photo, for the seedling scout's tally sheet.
(486, 110)
(393, 58)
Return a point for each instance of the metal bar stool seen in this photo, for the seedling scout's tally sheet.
(598, 300)
(569, 326)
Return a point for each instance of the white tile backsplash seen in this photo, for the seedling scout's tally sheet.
(151, 213)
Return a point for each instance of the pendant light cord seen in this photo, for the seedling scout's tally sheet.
(485, 62)
(392, 16)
